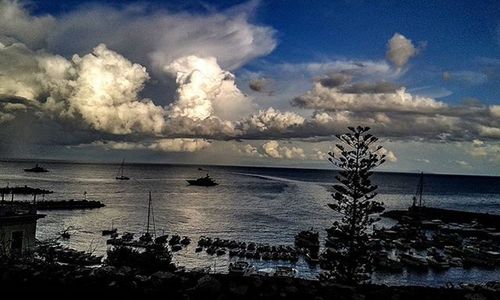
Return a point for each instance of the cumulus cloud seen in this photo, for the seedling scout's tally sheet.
(179, 145)
(274, 150)
(400, 50)
(249, 150)
(205, 90)
(365, 97)
(272, 121)
(100, 88)
(160, 145)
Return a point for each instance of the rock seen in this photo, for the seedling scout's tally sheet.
(208, 284)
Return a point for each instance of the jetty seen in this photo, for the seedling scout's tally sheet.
(424, 213)
(60, 205)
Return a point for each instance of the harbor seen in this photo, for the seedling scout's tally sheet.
(283, 238)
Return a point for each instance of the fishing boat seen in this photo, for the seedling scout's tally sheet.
(120, 172)
(202, 181)
(36, 169)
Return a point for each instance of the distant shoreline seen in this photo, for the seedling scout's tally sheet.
(117, 163)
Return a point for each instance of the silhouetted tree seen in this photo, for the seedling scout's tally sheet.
(357, 156)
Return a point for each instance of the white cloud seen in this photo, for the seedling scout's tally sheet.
(156, 37)
(205, 90)
(400, 50)
(495, 110)
(179, 145)
(389, 155)
(272, 120)
(325, 98)
(274, 150)
(17, 24)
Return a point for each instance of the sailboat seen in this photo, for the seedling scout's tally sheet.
(120, 172)
(417, 199)
(148, 237)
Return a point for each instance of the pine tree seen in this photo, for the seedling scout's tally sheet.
(358, 154)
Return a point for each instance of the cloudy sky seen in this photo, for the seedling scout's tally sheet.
(251, 82)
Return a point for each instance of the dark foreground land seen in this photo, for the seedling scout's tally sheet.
(69, 281)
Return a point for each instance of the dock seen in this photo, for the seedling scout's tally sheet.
(445, 215)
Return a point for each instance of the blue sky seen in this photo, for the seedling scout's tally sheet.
(251, 82)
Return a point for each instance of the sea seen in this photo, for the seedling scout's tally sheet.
(262, 205)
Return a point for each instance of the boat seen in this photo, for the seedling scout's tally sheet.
(147, 237)
(65, 233)
(417, 199)
(414, 260)
(241, 268)
(307, 239)
(202, 181)
(110, 231)
(285, 271)
(120, 172)
(36, 169)
(389, 263)
(438, 261)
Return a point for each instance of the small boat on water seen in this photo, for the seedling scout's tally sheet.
(120, 172)
(110, 231)
(202, 181)
(36, 169)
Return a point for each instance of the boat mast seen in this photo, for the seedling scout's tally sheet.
(149, 212)
(421, 188)
(121, 168)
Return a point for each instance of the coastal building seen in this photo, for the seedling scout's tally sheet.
(17, 228)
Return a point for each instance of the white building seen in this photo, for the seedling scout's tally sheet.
(17, 228)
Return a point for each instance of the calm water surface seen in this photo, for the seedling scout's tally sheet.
(267, 205)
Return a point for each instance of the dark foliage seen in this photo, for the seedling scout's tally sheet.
(154, 258)
(357, 156)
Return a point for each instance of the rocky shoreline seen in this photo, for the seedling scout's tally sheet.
(41, 278)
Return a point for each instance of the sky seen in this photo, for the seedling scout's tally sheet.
(266, 83)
